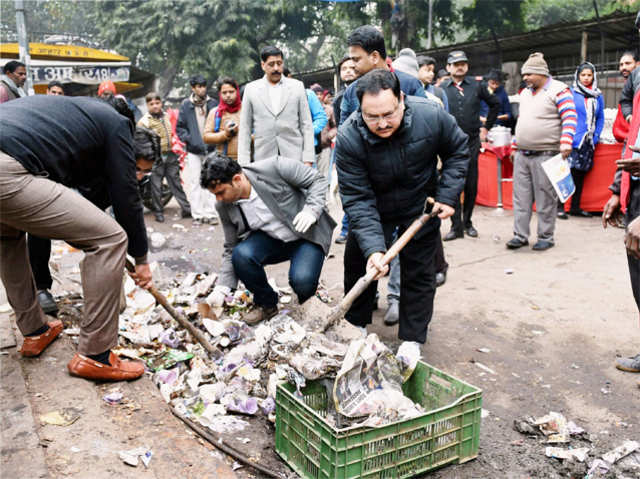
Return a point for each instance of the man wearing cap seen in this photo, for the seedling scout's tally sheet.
(106, 89)
(546, 126)
(464, 94)
(190, 129)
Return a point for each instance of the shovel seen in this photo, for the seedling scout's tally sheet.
(363, 283)
(184, 322)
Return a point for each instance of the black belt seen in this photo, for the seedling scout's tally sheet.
(538, 153)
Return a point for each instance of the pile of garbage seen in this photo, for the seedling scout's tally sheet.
(562, 436)
(241, 381)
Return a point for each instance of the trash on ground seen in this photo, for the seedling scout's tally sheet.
(619, 452)
(483, 367)
(113, 398)
(131, 456)
(554, 426)
(157, 240)
(483, 350)
(579, 454)
(63, 417)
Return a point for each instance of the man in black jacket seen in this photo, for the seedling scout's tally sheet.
(464, 95)
(386, 157)
(48, 145)
(190, 129)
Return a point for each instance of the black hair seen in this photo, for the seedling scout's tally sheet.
(197, 80)
(152, 95)
(146, 144)
(218, 169)
(227, 81)
(426, 60)
(631, 53)
(369, 39)
(495, 75)
(442, 73)
(270, 51)
(121, 107)
(286, 72)
(11, 66)
(53, 83)
(377, 80)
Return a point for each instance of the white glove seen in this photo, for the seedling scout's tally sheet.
(303, 221)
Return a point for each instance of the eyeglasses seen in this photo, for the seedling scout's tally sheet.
(388, 117)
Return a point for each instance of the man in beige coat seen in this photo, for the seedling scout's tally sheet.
(276, 112)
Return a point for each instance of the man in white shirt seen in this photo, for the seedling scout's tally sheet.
(271, 211)
(275, 110)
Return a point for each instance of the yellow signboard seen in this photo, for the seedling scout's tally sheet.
(45, 51)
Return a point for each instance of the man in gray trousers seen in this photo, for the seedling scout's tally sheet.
(546, 126)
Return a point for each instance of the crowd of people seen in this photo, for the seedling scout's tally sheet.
(259, 161)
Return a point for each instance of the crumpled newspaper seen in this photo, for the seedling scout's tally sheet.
(369, 383)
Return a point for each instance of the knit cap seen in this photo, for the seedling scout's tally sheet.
(406, 63)
(535, 64)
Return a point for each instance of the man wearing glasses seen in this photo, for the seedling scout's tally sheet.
(386, 156)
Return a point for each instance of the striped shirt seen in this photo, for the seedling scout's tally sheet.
(547, 119)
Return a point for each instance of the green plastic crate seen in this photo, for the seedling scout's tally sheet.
(447, 434)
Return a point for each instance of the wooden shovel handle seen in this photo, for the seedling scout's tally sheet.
(363, 283)
(184, 322)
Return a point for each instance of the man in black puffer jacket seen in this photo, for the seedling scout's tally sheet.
(386, 155)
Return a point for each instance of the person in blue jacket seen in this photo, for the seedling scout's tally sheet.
(590, 109)
(494, 82)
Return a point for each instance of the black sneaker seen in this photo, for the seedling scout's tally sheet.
(159, 217)
(515, 243)
(542, 245)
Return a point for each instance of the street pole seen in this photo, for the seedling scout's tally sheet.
(430, 25)
(23, 45)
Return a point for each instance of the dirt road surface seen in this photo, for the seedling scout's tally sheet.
(553, 323)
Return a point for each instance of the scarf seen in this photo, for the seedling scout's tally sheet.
(19, 92)
(222, 106)
(199, 102)
(590, 94)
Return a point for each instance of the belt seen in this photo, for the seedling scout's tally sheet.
(538, 153)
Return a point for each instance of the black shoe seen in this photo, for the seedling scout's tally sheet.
(47, 303)
(186, 214)
(582, 213)
(392, 316)
(542, 245)
(471, 231)
(453, 234)
(515, 243)
(342, 239)
(159, 217)
(562, 214)
(441, 278)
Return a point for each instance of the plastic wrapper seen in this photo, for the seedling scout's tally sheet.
(554, 426)
(171, 358)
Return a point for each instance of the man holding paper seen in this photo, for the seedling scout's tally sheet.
(545, 128)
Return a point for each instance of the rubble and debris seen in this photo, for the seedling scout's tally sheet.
(63, 417)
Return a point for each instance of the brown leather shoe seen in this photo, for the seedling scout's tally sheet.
(119, 370)
(258, 314)
(34, 345)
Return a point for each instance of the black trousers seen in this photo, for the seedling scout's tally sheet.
(441, 263)
(417, 282)
(578, 180)
(169, 167)
(633, 211)
(39, 253)
(461, 218)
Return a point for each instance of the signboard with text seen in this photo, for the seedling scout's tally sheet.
(87, 75)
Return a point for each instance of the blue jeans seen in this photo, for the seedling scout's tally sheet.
(259, 249)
